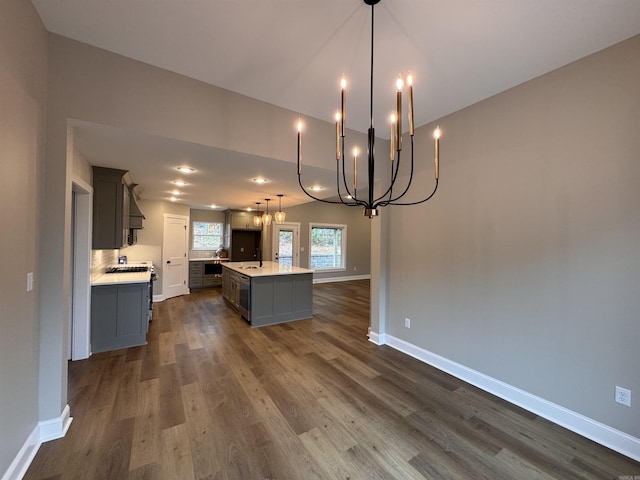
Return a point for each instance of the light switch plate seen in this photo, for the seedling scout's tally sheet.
(29, 281)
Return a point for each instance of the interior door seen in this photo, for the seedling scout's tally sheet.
(286, 243)
(174, 256)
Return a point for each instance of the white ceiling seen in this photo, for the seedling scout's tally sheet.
(291, 53)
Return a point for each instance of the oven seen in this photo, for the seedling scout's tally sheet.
(153, 278)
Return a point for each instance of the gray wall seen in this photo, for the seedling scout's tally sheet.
(23, 77)
(150, 238)
(526, 265)
(358, 235)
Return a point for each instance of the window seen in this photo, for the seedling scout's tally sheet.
(328, 247)
(206, 236)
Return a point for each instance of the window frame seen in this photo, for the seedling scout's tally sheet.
(193, 235)
(343, 246)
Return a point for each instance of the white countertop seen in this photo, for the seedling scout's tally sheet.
(268, 269)
(205, 259)
(122, 278)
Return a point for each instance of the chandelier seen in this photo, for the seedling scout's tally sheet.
(348, 194)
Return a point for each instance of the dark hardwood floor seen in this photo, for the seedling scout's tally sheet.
(211, 398)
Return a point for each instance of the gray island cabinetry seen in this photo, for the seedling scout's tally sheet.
(269, 294)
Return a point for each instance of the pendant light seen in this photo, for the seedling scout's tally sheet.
(257, 219)
(279, 216)
(266, 218)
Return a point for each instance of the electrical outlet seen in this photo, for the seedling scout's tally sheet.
(623, 396)
(407, 323)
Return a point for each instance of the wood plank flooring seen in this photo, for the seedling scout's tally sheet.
(211, 398)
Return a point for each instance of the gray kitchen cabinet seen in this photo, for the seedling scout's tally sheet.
(195, 274)
(231, 287)
(110, 209)
(205, 273)
(119, 316)
(272, 298)
(280, 298)
(241, 220)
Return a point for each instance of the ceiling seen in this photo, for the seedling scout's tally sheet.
(291, 53)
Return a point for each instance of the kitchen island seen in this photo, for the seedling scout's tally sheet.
(268, 294)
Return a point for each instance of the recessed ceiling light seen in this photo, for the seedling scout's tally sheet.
(260, 180)
(175, 192)
(180, 183)
(213, 205)
(316, 188)
(173, 199)
(185, 169)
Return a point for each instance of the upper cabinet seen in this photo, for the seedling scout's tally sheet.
(110, 208)
(241, 220)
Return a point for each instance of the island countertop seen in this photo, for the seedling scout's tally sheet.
(252, 269)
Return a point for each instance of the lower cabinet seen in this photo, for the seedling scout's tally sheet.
(195, 274)
(119, 316)
(205, 273)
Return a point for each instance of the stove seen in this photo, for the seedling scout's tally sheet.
(128, 269)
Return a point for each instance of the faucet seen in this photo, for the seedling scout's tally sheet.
(258, 255)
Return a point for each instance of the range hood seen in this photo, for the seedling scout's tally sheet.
(135, 215)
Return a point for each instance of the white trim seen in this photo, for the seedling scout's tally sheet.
(343, 245)
(43, 432)
(55, 427)
(275, 240)
(81, 307)
(341, 279)
(375, 337)
(23, 459)
(598, 432)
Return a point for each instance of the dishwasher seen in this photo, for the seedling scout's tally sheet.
(244, 296)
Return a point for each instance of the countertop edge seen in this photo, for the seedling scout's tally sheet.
(266, 272)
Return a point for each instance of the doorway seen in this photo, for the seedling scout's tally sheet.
(80, 258)
(174, 255)
(286, 244)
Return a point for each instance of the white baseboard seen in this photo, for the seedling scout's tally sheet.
(341, 279)
(376, 338)
(44, 431)
(598, 432)
(23, 459)
(56, 427)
